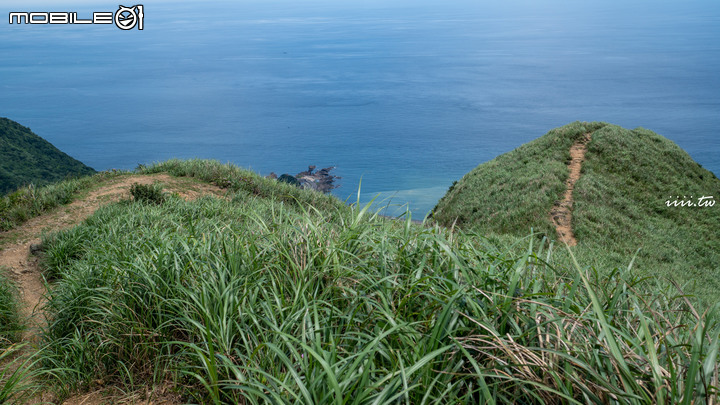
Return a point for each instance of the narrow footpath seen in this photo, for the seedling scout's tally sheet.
(561, 213)
(20, 265)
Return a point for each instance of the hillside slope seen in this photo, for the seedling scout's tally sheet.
(262, 292)
(620, 205)
(515, 191)
(27, 158)
(20, 268)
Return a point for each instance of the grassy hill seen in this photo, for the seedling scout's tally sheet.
(620, 202)
(27, 158)
(279, 295)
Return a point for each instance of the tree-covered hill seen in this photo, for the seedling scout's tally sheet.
(27, 158)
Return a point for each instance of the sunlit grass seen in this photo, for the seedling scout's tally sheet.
(265, 298)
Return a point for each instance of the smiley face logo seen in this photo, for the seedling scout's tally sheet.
(126, 18)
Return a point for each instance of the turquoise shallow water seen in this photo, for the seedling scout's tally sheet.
(407, 96)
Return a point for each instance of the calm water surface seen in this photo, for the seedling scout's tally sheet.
(408, 96)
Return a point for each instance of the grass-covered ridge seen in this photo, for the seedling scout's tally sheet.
(286, 296)
(235, 178)
(30, 201)
(620, 202)
(26, 158)
(515, 191)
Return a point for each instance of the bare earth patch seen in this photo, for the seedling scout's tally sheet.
(561, 213)
(159, 396)
(21, 266)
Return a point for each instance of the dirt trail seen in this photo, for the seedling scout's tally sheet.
(561, 213)
(22, 267)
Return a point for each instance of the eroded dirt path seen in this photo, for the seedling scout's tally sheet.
(561, 213)
(21, 266)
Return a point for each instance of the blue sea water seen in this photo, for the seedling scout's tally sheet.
(405, 95)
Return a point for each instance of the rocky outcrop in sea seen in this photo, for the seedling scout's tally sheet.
(320, 180)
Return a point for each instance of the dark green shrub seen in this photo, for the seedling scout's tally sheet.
(148, 193)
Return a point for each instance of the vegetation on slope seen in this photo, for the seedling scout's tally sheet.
(265, 297)
(10, 325)
(620, 202)
(26, 158)
(235, 178)
(15, 370)
(627, 179)
(30, 201)
(515, 191)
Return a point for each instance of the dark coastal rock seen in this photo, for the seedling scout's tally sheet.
(320, 180)
(308, 172)
(290, 179)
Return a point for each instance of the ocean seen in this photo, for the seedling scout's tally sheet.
(403, 97)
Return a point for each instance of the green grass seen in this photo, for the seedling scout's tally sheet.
(285, 295)
(30, 201)
(235, 178)
(10, 324)
(515, 191)
(265, 298)
(16, 369)
(619, 209)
